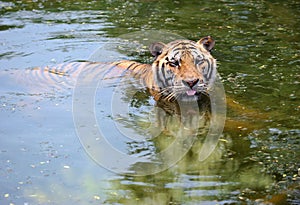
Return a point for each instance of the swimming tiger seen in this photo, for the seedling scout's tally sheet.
(182, 70)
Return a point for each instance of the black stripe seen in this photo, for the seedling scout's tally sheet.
(195, 52)
(125, 70)
(169, 80)
(163, 71)
(158, 77)
(176, 49)
(94, 69)
(192, 48)
(136, 73)
(208, 73)
(111, 68)
(130, 65)
(212, 69)
(183, 43)
(175, 54)
(75, 66)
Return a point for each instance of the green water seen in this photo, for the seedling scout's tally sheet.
(257, 157)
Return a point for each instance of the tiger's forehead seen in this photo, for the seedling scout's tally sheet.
(176, 49)
(182, 44)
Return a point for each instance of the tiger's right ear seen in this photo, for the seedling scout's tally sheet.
(156, 48)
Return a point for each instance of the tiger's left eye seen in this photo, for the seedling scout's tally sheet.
(199, 60)
(174, 63)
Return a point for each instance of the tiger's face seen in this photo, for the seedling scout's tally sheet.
(183, 69)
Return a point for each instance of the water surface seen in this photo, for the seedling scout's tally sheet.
(257, 157)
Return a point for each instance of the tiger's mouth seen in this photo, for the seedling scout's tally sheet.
(192, 87)
(185, 93)
(196, 90)
(191, 92)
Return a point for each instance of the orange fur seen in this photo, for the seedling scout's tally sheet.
(181, 67)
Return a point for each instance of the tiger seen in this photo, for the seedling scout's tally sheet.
(182, 70)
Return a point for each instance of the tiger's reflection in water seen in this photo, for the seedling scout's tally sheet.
(177, 131)
(188, 179)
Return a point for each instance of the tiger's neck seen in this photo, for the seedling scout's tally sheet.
(143, 72)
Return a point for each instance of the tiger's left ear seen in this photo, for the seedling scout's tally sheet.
(207, 42)
(156, 48)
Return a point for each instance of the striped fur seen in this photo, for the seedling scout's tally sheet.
(182, 70)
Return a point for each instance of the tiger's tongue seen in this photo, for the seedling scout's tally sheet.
(190, 92)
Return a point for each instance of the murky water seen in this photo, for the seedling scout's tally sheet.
(43, 161)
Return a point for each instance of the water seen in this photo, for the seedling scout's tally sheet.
(42, 160)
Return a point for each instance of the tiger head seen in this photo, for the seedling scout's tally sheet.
(183, 69)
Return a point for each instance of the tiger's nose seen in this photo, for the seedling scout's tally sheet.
(190, 83)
